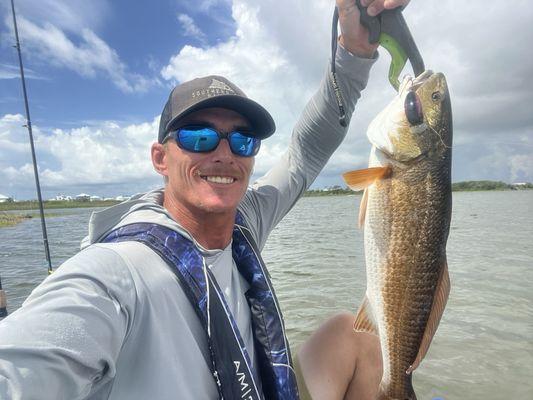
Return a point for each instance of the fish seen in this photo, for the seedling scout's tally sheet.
(405, 214)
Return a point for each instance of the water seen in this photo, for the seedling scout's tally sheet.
(484, 346)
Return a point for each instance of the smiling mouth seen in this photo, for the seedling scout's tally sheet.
(226, 180)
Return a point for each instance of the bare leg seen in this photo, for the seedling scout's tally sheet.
(338, 363)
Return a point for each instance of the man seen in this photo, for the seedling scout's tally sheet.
(169, 297)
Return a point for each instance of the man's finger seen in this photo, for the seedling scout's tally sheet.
(390, 4)
(375, 8)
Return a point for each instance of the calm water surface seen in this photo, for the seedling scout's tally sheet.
(484, 346)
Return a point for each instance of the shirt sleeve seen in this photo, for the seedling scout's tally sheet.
(64, 341)
(315, 137)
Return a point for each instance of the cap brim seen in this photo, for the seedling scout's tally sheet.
(260, 119)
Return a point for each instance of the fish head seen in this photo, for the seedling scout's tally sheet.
(417, 122)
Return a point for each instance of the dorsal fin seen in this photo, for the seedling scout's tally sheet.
(437, 308)
(361, 178)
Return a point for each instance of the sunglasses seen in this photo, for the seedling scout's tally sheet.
(203, 139)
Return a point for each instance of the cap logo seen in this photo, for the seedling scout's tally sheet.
(215, 84)
(215, 88)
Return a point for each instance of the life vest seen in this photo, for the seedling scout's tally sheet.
(231, 364)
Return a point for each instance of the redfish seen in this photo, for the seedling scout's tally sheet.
(405, 211)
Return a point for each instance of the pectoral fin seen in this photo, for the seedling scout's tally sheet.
(364, 321)
(437, 308)
(362, 178)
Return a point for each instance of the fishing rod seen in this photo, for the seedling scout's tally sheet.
(28, 125)
(3, 302)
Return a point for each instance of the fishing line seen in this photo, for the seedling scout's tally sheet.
(440, 137)
(333, 74)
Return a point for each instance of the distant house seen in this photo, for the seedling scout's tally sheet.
(5, 199)
(61, 197)
(95, 198)
(122, 198)
(83, 197)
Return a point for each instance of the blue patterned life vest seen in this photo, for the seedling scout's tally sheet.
(231, 364)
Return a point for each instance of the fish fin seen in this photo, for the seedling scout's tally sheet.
(361, 178)
(362, 208)
(364, 321)
(437, 308)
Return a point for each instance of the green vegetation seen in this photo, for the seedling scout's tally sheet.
(11, 219)
(471, 186)
(34, 205)
(330, 192)
(467, 186)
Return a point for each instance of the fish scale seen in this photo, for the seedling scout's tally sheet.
(409, 262)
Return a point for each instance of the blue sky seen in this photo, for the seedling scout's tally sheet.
(99, 72)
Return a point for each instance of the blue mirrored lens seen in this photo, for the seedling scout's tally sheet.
(198, 139)
(244, 145)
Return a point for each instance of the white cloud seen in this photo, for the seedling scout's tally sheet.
(92, 56)
(256, 64)
(62, 34)
(8, 71)
(102, 154)
(68, 15)
(191, 29)
(521, 167)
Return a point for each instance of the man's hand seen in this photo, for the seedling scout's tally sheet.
(354, 37)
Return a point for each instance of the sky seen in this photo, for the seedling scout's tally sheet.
(98, 74)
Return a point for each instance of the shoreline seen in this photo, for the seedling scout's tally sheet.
(344, 192)
(32, 205)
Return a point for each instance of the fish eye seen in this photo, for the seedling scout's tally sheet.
(436, 96)
(413, 109)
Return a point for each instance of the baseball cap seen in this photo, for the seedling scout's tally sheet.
(213, 91)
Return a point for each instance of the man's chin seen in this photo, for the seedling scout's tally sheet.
(218, 205)
(218, 210)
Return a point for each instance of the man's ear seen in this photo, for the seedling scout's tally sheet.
(159, 158)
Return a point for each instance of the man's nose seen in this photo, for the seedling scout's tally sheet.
(223, 152)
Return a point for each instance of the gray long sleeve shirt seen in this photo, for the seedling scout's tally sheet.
(113, 322)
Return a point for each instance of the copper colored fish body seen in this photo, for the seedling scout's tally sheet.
(406, 211)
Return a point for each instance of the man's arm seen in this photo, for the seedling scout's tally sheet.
(318, 133)
(63, 343)
(316, 136)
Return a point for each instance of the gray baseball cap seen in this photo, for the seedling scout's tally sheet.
(213, 91)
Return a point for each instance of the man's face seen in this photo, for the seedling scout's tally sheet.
(213, 182)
